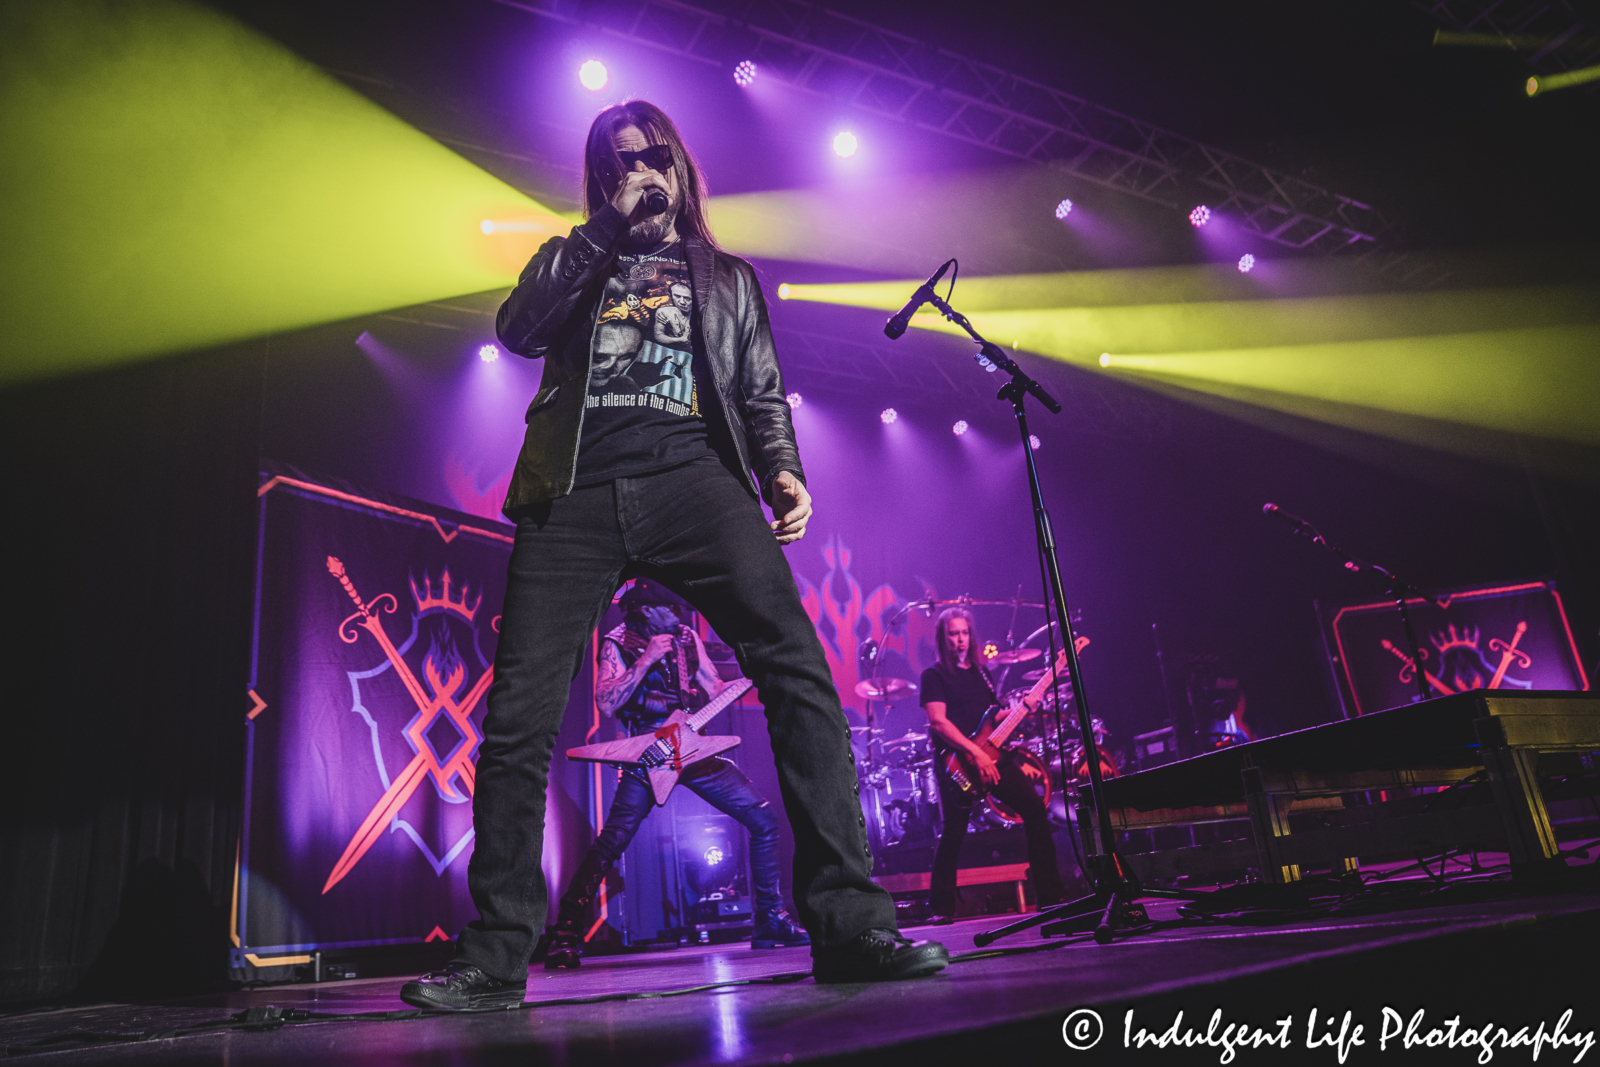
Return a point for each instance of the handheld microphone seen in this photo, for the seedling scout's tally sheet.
(656, 202)
(902, 318)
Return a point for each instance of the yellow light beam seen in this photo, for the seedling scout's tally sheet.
(1543, 381)
(175, 181)
(1540, 84)
(1081, 333)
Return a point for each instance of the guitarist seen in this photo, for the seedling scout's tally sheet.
(651, 666)
(955, 694)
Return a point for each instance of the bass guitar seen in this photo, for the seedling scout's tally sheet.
(672, 746)
(960, 770)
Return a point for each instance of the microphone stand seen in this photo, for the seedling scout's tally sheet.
(1110, 905)
(1399, 588)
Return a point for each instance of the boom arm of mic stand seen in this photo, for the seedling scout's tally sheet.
(997, 355)
(1399, 588)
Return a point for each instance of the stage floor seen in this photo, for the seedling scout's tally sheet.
(1509, 960)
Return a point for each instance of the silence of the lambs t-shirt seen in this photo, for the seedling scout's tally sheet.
(642, 413)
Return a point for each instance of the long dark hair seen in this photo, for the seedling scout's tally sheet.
(947, 657)
(600, 157)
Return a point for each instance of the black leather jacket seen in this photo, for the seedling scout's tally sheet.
(551, 313)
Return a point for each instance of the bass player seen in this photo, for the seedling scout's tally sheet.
(955, 693)
(651, 666)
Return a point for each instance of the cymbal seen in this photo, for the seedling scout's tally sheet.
(1016, 655)
(865, 729)
(907, 739)
(879, 688)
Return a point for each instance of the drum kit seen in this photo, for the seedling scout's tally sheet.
(899, 783)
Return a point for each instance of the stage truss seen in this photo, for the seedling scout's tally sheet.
(819, 51)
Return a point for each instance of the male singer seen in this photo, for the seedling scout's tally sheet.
(648, 471)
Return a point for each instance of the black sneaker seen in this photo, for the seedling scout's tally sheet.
(879, 956)
(462, 985)
(774, 929)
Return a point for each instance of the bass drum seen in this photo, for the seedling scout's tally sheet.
(1034, 769)
(1080, 764)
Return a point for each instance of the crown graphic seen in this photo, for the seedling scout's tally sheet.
(426, 601)
(1450, 639)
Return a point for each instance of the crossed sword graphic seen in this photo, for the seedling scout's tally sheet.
(1508, 653)
(423, 763)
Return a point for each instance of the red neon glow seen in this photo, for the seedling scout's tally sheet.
(312, 487)
(1508, 653)
(596, 794)
(1443, 604)
(425, 762)
(425, 598)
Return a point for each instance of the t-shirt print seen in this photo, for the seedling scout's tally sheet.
(642, 347)
(642, 412)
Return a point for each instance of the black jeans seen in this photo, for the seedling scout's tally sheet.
(698, 531)
(1017, 793)
(723, 786)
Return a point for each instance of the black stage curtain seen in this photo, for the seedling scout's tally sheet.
(130, 511)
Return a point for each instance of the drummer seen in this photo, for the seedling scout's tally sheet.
(955, 694)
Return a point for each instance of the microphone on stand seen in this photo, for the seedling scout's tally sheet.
(902, 318)
(656, 202)
(1300, 525)
(1305, 529)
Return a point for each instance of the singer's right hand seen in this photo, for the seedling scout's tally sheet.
(635, 184)
(659, 646)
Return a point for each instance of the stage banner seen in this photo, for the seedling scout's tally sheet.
(375, 629)
(1511, 636)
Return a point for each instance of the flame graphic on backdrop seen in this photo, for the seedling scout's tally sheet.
(462, 485)
(844, 624)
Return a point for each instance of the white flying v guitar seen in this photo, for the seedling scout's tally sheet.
(672, 746)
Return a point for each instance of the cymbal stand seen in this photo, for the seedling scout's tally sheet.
(1111, 902)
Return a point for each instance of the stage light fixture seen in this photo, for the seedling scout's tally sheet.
(488, 353)
(1033, 441)
(714, 855)
(783, 291)
(795, 400)
(960, 427)
(744, 73)
(1200, 216)
(1544, 83)
(845, 144)
(889, 415)
(1247, 263)
(1105, 359)
(593, 75)
(487, 226)
(1063, 209)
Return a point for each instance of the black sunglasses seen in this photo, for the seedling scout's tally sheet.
(657, 157)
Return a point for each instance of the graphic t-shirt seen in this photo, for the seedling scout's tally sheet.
(965, 697)
(642, 412)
